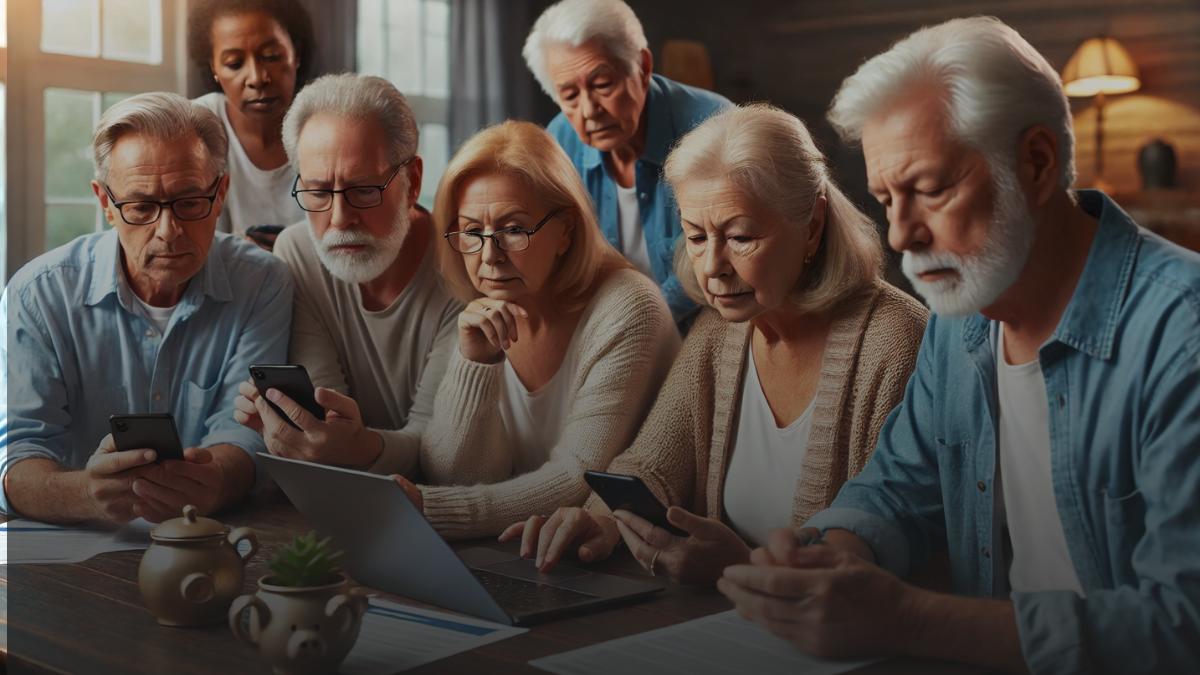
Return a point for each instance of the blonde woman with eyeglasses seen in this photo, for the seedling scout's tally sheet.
(561, 349)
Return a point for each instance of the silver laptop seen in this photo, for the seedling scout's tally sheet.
(390, 546)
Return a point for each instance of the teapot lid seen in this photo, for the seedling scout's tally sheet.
(190, 526)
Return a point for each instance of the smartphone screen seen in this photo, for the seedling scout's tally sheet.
(147, 432)
(291, 381)
(631, 494)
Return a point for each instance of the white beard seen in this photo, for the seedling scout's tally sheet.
(984, 276)
(367, 265)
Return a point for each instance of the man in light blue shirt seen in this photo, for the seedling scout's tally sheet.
(618, 123)
(157, 315)
(1050, 433)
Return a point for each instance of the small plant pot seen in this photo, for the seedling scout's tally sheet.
(300, 630)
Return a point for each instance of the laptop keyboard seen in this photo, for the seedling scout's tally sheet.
(518, 596)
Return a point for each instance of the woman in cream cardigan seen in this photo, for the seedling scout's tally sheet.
(786, 378)
(561, 348)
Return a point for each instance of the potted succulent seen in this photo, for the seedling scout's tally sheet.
(304, 619)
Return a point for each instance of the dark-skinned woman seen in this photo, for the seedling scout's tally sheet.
(258, 53)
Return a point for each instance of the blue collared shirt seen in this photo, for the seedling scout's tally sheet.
(1122, 375)
(673, 110)
(75, 349)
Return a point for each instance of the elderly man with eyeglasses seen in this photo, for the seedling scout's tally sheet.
(160, 314)
(371, 322)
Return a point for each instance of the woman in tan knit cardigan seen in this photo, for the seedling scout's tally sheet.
(561, 348)
(785, 380)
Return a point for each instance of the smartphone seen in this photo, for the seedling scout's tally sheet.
(147, 432)
(293, 382)
(631, 494)
(263, 234)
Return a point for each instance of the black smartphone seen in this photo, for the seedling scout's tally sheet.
(155, 432)
(631, 494)
(291, 381)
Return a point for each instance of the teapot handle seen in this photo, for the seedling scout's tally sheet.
(353, 602)
(248, 534)
(235, 618)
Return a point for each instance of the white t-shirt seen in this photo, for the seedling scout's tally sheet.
(159, 316)
(633, 240)
(1041, 560)
(535, 420)
(255, 197)
(760, 488)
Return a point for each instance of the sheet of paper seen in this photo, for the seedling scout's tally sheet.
(26, 542)
(717, 644)
(397, 637)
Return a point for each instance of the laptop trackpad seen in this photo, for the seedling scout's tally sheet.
(525, 569)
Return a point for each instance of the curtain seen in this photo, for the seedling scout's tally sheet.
(489, 82)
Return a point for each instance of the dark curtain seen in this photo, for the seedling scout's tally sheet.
(489, 82)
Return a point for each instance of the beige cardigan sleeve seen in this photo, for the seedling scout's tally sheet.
(628, 344)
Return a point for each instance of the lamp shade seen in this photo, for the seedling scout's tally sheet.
(1100, 66)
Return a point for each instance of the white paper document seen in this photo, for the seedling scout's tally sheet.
(397, 637)
(721, 643)
(26, 542)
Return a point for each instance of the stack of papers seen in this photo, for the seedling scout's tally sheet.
(25, 542)
(717, 644)
(396, 637)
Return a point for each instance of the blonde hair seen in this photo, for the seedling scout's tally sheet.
(526, 152)
(769, 155)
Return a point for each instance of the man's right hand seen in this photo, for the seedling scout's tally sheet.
(108, 481)
(568, 529)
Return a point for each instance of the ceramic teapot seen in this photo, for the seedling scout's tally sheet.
(193, 570)
(301, 630)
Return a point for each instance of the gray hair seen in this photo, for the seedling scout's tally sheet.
(160, 115)
(770, 156)
(996, 86)
(361, 98)
(573, 22)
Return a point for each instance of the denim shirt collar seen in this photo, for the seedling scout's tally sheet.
(1091, 319)
(108, 276)
(659, 130)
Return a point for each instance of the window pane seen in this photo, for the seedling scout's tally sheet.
(111, 98)
(3, 183)
(437, 49)
(70, 119)
(404, 45)
(65, 222)
(133, 30)
(71, 27)
(370, 45)
(434, 149)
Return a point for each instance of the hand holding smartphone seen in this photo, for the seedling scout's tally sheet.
(155, 432)
(291, 381)
(631, 494)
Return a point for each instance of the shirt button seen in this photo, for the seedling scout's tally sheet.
(982, 487)
(158, 397)
(643, 195)
(1062, 401)
(150, 332)
(985, 553)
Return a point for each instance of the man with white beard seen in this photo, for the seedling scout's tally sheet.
(371, 322)
(1050, 433)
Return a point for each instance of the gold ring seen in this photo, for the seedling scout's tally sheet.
(653, 560)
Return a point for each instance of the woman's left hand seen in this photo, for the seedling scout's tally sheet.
(413, 492)
(699, 559)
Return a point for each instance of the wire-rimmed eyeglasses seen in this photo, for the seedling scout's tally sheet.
(359, 196)
(512, 239)
(146, 212)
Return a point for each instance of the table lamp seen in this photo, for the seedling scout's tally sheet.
(1100, 66)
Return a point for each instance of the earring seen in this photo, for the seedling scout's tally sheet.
(215, 79)
(808, 258)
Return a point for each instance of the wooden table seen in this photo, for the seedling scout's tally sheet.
(89, 617)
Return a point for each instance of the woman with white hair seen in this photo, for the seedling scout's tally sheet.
(561, 348)
(787, 376)
(618, 123)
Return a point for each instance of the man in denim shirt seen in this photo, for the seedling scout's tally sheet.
(617, 124)
(1050, 434)
(157, 315)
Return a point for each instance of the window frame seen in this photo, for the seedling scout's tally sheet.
(34, 72)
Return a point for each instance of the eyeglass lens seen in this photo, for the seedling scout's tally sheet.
(144, 213)
(322, 200)
(472, 242)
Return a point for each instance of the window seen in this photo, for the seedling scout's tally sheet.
(407, 42)
(119, 30)
(3, 141)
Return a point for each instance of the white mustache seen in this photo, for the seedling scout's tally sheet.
(336, 238)
(927, 261)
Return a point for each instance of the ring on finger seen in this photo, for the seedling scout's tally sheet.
(654, 560)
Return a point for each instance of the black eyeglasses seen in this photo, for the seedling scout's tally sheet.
(360, 197)
(513, 239)
(145, 212)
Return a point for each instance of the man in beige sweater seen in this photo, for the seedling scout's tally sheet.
(371, 322)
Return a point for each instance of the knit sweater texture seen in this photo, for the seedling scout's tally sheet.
(627, 342)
